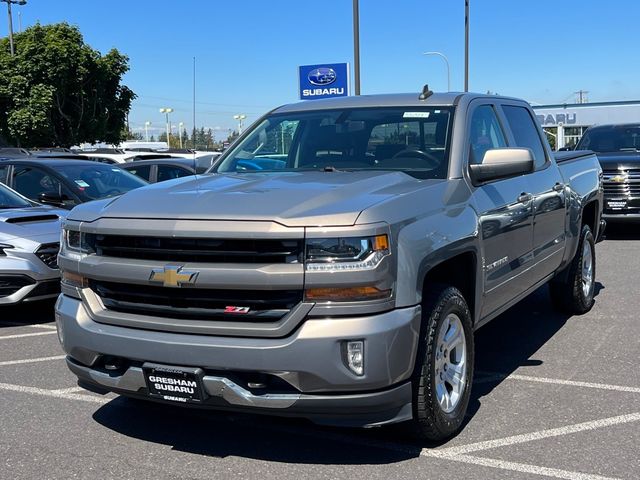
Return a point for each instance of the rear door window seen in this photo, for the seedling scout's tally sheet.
(525, 132)
(142, 171)
(168, 172)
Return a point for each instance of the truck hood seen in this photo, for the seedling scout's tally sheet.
(292, 198)
(619, 160)
(41, 224)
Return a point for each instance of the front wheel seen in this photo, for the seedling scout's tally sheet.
(444, 367)
(574, 293)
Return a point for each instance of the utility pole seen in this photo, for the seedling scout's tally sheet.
(582, 96)
(356, 46)
(466, 45)
(240, 117)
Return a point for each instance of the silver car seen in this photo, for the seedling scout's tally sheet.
(29, 243)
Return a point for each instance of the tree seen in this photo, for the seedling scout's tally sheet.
(57, 90)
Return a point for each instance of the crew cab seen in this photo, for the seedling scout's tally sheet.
(334, 263)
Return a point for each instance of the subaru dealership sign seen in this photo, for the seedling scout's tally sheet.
(323, 81)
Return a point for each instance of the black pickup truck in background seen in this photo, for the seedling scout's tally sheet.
(618, 149)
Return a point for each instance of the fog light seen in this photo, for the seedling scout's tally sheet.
(355, 357)
(59, 329)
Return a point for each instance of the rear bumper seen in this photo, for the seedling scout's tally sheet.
(310, 362)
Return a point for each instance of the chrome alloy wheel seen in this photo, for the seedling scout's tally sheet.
(587, 269)
(451, 363)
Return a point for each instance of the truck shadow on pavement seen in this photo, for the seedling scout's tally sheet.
(35, 313)
(622, 231)
(504, 345)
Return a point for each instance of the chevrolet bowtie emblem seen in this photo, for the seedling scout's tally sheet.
(173, 276)
(618, 178)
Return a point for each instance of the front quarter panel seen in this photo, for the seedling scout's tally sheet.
(428, 226)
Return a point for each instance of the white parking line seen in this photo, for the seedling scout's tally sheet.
(526, 468)
(455, 454)
(530, 437)
(31, 360)
(492, 377)
(53, 393)
(30, 325)
(22, 335)
(69, 390)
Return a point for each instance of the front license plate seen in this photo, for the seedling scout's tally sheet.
(175, 384)
(616, 204)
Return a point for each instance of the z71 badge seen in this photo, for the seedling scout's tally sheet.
(236, 309)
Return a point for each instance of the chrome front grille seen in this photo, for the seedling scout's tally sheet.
(621, 183)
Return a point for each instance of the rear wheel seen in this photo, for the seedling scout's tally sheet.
(574, 294)
(444, 367)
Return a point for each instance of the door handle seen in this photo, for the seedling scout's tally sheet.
(558, 187)
(525, 197)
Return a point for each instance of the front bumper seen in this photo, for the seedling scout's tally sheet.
(621, 217)
(27, 279)
(310, 362)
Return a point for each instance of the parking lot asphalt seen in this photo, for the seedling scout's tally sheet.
(554, 396)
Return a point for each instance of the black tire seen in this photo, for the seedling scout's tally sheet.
(567, 293)
(430, 421)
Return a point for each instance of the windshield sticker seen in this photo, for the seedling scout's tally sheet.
(82, 183)
(416, 115)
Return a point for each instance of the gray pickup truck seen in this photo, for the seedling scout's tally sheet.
(335, 262)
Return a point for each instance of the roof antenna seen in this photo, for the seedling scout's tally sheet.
(426, 93)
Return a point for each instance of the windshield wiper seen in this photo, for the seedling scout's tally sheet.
(14, 206)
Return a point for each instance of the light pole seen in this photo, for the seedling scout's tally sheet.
(466, 45)
(240, 118)
(167, 111)
(180, 127)
(9, 2)
(356, 45)
(146, 131)
(444, 57)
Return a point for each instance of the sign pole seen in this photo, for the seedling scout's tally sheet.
(356, 45)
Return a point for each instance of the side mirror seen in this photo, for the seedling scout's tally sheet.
(500, 163)
(52, 198)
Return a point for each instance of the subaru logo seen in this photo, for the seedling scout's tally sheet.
(322, 76)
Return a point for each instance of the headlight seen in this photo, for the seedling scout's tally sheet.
(345, 253)
(75, 244)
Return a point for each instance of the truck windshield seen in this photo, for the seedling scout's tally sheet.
(618, 138)
(414, 140)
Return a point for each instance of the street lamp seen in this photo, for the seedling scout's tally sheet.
(9, 2)
(146, 131)
(445, 61)
(167, 111)
(180, 127)
(240, 118)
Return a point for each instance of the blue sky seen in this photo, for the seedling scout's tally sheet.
(248, 51)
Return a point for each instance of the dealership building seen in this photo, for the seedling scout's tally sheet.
(565, 123)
